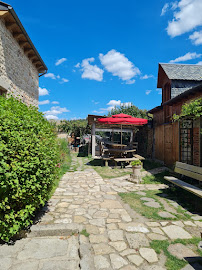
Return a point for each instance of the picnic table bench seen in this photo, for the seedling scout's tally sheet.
(190, 171)
(116, 160)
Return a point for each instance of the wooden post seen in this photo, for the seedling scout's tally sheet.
(93, 139)
(121, 137)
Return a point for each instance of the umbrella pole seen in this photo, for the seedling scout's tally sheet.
(121, 137)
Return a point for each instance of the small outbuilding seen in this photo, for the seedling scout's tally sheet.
(177, 141)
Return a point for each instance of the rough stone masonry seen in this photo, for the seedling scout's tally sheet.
(18, 76)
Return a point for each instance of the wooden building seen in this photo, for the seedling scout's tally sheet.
(178, 141)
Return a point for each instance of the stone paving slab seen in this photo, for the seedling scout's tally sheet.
(43, 253)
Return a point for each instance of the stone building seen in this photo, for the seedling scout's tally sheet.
(173, 141)
(20, 63)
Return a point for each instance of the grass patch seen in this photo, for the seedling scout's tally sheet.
(133, 199)
(85, 233)
(155, 179)
(135, 203)
(173, 263)
(108, 172)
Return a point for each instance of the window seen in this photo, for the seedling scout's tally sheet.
(186, 141)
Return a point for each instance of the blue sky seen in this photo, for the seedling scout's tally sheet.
(108, 50)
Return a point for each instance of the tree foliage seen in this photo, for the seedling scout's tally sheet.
(78, 127)
(130, 110)
(28, 164)
(192, 110)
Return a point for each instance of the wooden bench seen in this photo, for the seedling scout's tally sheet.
(116, 160)
(190, 171)
(106, 159)
(139, 157)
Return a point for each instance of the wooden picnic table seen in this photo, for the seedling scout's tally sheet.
(115, 145)
(120, 152)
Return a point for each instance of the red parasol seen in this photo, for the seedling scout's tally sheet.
(123, 119)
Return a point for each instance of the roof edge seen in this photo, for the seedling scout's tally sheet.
(16, 18)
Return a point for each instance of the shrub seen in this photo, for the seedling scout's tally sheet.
(64, 162)
(136, 163)
(28, 164)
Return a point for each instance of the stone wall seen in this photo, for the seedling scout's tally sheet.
(18, 76)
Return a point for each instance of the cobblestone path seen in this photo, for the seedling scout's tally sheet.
(118, 236)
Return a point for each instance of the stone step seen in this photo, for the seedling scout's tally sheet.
(54, 230)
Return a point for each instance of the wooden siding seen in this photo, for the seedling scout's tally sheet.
(167, 143)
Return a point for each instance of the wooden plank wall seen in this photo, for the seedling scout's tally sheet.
(159, 142)
(167, 143)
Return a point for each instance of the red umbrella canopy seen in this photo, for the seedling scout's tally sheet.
(123, 119)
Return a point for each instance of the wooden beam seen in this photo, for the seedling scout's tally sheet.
(4, 13)
(10, 25)
(36, 61)
(27, 50)
(32, 56)
(41, 69)
(17, 34)
(38, 65)
(23, 43)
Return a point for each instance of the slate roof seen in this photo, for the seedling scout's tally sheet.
(183, 71)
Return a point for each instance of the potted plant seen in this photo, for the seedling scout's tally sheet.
(136, 166)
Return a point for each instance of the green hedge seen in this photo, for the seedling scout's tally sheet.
(28, 164)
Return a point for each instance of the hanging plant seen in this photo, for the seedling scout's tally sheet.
(191, 110)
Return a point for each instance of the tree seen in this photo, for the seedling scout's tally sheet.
(130, 110)
(78, 127)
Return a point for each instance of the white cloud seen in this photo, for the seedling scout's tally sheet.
(58, 76)
(174, 5)
(77, 65)
(186, 18)
(169, 6)
(199, 63)
(145, 77)
(159, 91)
(119, 65)
(196, 38)
(65, 80)
(44, 102)
(91, 72)
(148, 92)
(164, 9)
(51, 117)
(50, 75)
(60, 61)
(114, 103)
(43, 92)
(186, 57)
(54, 112)
(55, 102)
(95, 102)
(130, 82)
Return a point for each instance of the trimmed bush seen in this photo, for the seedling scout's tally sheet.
(28, 164)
